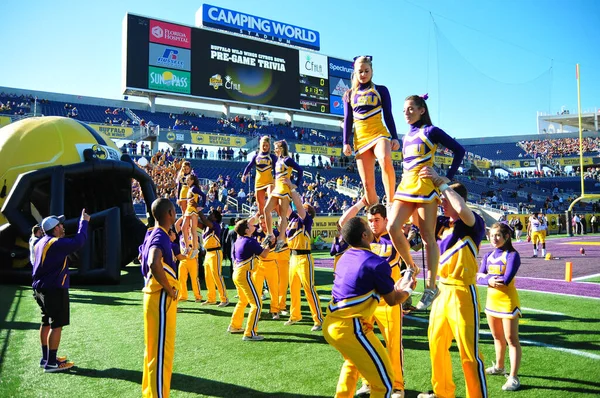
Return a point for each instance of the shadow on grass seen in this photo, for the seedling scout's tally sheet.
(281, 337)
(594, 390)
(12, 294)
(103, 300)
(186, 383)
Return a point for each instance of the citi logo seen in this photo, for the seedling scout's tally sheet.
(157, 32)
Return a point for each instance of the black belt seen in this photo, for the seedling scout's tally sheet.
(297, 252)
(213, 249)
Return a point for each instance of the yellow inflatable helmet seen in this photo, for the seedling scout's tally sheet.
(57, 165)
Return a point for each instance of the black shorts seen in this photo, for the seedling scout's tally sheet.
(54, 304)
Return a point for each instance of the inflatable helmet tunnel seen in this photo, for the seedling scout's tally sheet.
(56, 165)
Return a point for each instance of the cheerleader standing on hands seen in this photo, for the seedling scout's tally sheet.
(364, 105)
(416, 195)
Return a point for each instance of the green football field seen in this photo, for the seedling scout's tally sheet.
(560, 337)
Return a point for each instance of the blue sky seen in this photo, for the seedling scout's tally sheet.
(488, 66)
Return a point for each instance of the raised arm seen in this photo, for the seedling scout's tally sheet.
(455, 200)
(439, 136)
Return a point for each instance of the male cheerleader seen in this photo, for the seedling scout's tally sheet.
(302, 266)
(213, 262)
(160, 302)
(387, 317)
(536, 230)
(267, 267)
(362, 278)
(245, 251)
(455, 313)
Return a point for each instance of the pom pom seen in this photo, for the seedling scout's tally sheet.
(425, 96)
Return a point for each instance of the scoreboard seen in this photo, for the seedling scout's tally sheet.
(181, 61)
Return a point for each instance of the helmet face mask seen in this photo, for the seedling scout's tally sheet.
(83, 170)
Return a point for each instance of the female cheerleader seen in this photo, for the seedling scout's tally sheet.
(182, 187)
(417, 195)
(196, 200)
(503, 310)
(264, 162)
(281, 195)
(364, 105)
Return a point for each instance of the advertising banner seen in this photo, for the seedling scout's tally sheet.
(170, 57)
(574, 161)
(482, 164)
(170, 34)
(259, 27)
(114, 132)
(318, 150)
(326, 227)
(340, 68)
(182, 137)
(169, 80)
(217, 140)
(237, 69)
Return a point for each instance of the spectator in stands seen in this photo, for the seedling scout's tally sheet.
(241, 195)
(223, 194)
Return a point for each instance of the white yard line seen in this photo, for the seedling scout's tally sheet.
(582, 278)
(528, 342)
(543, 311)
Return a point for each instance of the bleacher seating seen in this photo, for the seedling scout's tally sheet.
(508, 151)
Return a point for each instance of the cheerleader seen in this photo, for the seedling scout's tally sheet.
(182, 187)
(503, 310)
(364, 105)
(264, 161)
(196, 200)
(417, 196)
(281, 195)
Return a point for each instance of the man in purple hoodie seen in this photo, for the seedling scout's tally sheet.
(51, 285)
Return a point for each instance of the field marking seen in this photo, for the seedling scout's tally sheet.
(588, 243)
(543, 311)
(581, 278)
(528, 342)
(559, 294)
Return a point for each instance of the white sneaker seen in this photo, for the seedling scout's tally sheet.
(512, 384)
(494, 370)
(194, 253)
(364, 390)
(290, 322)
(223, 304)
(398, 394)
(427, 395)
(316, 328)
(427, 299)
(275, 315)
(253, 338)
(284, 313)
(234, 330)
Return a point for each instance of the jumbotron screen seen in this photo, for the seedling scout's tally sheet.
(182, 61)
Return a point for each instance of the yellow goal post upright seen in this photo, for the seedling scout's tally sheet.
(569, 212)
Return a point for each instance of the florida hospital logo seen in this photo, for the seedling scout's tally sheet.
(216, 81)
(157, 32)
